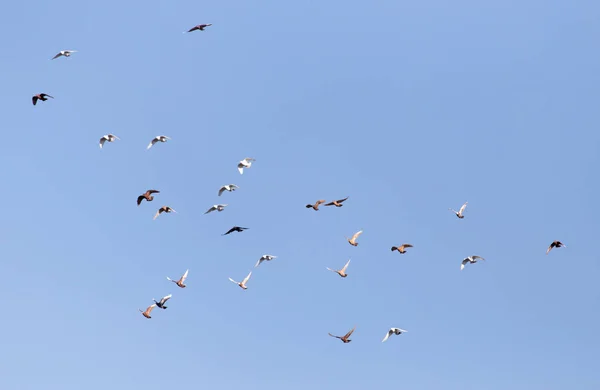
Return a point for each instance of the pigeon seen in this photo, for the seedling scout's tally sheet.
(352, 240)
(242, 284)
(345, 338)
(402, 248)
(162, 302)
(181, 280)
(245, 163)
(164, 209)
(555, 244)
(471, 260)
(459, 213)
(42, 96)
(228, 187)
(147, 195)
(264, 258)
(148, 310)
(337, 203)
(341, 272)
(66, 53)
(392, 331)
(199, 27)
(158, 138)
(107, 137)
(316, 205)
(234, 229)
(218, 207)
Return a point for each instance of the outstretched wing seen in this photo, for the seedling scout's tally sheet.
(387, 335)
(355, 236)
(165, 299)
(349, 333)
(157, 214)
(102, 141)
(56, 56)
(247, 278)
(233, 281)
(346, 266)
(221, 190)
(477, 257)
(34, 99)
(462, 208)
(185, 275)
(337, 337)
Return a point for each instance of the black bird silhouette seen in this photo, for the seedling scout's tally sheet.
(200, 27)
(42, 96)
(234, 229)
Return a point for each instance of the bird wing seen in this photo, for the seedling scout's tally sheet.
(229, 231)
(337, 337)
(56, 56)
(102, 141)
(34, 99)
(342, 200)
(550, 247)
(247, 278)
(155, 140)
(387, 335)
(213, 208)
(193, 29)
(477, 257)
(149, 309)
(258, 262)
(332, 270)
(349, 333)
(407, 245)
(185, 275)
(355, 236)
(153, 192)
(346, 266)
(241, 168)
(221, 190)
(157, 214)
(233, 281)
(139, 199)
(462, 208)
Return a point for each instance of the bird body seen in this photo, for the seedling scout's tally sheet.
(242, 284)
(345, 338)
(555, 244)
(217, 207)
(352, 240)
(264, 258)
(158, 138)
(316, 205)
(245, 163)
(392, 331)
(65, 53)
(341, 272)
(402, 248)
(234, 229)
(107, 137)
(459, 213)
(162, 302)
(337, 203)
(470, 260)
(228, 187)
(181, 280)
(148, 310)
(40, 96)
(147, 195)
(164, 209)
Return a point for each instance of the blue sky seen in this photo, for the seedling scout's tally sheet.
(409, 108)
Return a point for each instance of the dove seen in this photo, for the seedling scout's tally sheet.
(162, 302)
(392, 331)
(228, 187)
(164, 209)
(218, 207)
(555, 244)
(107, 137)
(65, 53)
(148, 310)
(264, 258)
(41, 96)
(158, 138)
(337, 203)
(181, 280)
(245, 163)
(199, 27)
(470, 260)
(242, 284)
(147, 195)
(316, 205)
(459, 213)
(345, 338)
(341, 272)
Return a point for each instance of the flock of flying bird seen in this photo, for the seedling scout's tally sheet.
(245, 164)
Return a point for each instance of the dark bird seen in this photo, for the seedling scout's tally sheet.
(555, 244)
(200, 27)
(164, 209)
(42, 96)
(162, 302)
(316, 205)
(337, 203)
(234, 229)
(401, 248)
(344, 338)
(147, 195)
(148, 310)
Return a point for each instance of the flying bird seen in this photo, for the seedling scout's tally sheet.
(242, 284)
(41, 96)
(162, 302)
(66, 53)
(199, 27)
(337, 203)
(555, 244)
(158, 138)
(264, 258)
(147, 195)
(459, 213)
(164, 209)
(352, 240)
(316, 205)
(181, 280)
(234, 229)
(228, 187)
(345, 338)
(341, 272)
(107, 137)
(245, 163)
(218, 207)
(401, 248)
(392, 331)
(470, 260)
(148, 310)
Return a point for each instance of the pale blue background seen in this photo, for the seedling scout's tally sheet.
(407, 107)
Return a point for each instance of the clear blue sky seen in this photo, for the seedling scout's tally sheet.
(409, 108)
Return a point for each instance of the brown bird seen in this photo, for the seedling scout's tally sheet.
(401, 248)
(344, 338)
(148, 310)
(164, 209)
(316, 205)
(341, 272)
(147, 195)
(41, 96)
(200, 27)
(555, 244)
(337, 203)
(352, 240)
(181, 280)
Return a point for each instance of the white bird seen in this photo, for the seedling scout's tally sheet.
(391, 332)
(218, 207)
(459, 213)
(242, 284)
(162, 302)
(228, 187)
(265, 258)
(471, 260)
(341, 272)
(158, 138)
(66, 53)
(181, 280)
(245, 163)
(107, 137)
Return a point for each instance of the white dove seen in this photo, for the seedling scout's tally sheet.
(66, 53)
(471, 260)
(245, 163)
(107, 137)
(242, 284)
(459, 213)
(158, 138)
(341, 272)
(227, 187)
(264, 258)
(391, 332)
(218, 207)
